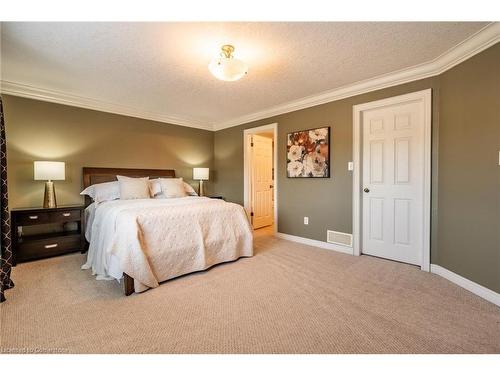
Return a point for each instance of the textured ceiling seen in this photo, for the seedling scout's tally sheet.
(162, 67)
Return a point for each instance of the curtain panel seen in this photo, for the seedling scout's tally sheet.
(5, 240)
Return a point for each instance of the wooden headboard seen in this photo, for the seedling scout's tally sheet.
(98, 175)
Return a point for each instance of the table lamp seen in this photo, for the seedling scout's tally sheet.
(200, 174)
(49, 171)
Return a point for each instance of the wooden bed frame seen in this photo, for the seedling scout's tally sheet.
(96, 175)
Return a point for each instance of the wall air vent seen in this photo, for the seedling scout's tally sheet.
(339, 238)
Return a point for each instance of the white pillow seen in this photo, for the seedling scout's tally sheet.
(155, 187)
(189, 190)
(172, 187)
(133, 188)
(106, 191)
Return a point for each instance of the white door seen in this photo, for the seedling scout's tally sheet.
(262, 181)
(393, 181)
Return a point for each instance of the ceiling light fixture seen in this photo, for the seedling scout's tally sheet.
(226, 67)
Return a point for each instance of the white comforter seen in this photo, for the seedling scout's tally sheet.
(153, 240)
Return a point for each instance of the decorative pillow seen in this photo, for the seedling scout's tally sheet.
(133, 188)
(155, 187)
(189, 190)
(172, 187)
(106, 191)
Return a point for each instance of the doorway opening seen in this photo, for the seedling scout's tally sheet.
(260, 182)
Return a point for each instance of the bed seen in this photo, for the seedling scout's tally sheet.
(143, 242)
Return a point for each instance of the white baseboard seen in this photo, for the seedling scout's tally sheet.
(471, 286)
(321, 244)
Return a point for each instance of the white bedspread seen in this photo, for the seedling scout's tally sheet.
(153, 240)
(89, 219)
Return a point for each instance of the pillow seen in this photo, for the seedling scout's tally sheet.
(106, 191)
(133, 188)
(154, 187)
(172, 187)
(189, 190)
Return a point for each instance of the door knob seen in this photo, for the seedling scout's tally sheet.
(366, 190)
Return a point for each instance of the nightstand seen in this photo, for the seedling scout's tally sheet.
(217, 197)
(66, 234)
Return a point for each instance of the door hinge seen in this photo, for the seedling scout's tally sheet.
(251, 144)
(251, 213)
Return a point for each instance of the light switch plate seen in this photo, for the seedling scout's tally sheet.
(350, 166)
(306, 220)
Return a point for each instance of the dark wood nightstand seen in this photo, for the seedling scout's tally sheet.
(66, 235)
(217, 197)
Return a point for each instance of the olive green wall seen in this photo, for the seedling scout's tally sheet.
(469, 174)
(465, 222)
(39, 130)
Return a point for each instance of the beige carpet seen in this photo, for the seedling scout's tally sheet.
(288, 298)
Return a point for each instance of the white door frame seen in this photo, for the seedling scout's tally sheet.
(424, 96)
(247, 162)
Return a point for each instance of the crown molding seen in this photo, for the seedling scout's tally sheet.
(31, 92)
(471, 46)
(476, 43)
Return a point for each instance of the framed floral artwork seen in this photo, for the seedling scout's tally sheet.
(308, 153)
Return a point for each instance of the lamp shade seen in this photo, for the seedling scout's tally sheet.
(228, 69)
(200, 173)
(49, 170)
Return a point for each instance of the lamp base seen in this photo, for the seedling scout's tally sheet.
(49, 198)
(200, 190)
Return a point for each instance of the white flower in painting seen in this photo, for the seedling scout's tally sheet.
(318, 134)
(295, 168)
(315, 165)
(295, 152)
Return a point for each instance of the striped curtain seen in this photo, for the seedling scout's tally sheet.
(5, 250)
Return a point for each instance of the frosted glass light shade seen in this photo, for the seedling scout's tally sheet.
(228, 69)
(49, 170)
(200, 173)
